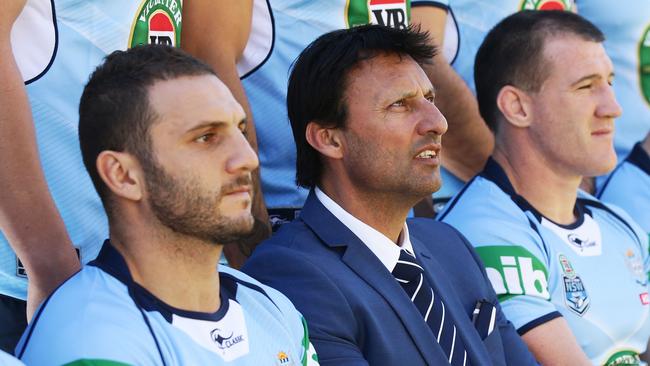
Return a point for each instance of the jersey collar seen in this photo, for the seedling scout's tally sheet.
(495, 173)
(111, 261)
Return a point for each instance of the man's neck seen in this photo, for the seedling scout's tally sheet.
(381, 212)
(552, 194)
(178, 270)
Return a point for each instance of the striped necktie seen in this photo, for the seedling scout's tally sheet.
(410, 275)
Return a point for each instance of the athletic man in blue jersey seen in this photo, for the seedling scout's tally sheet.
(571, 273)
(163, 141)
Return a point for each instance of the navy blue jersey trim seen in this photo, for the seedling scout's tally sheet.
(495, 173)
(268, 56)
(56, 47)
(459, 40)
(609, 179)
(34, 322)
(250, 285)
(435, 4)
(603, 207)
(146, 321)
(453, 202)
(537, 322)
(640, 158)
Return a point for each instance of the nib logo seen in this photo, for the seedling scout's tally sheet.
(514, 271)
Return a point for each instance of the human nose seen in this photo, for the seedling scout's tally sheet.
(608, 106)
(243, 157)
(431, 121)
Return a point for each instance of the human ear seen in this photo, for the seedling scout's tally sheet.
(121, 173)
(515, 105)
(325, 140)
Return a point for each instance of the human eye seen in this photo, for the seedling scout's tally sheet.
(206, 138)
(398, 103)
(585, 86)
(243, 127)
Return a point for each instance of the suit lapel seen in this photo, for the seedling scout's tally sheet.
(441, 286)
(369, 268)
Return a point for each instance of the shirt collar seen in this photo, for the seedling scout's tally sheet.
(382, 247)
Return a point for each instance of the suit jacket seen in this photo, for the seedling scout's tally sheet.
(358, 313)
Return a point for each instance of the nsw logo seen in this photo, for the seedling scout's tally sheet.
(576, 297)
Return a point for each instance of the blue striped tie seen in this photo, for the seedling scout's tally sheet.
(410, 275)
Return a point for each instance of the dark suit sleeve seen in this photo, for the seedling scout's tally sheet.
(515, 349)
(333, 329)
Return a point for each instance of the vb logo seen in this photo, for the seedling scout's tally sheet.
(514, 271)
(390, 13)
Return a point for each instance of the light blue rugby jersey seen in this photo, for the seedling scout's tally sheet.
(57, 45)
(281, 29)
(629, 187)
(101, 314)
(468, 22)
(594, 273)
(8, 360)
(626, 25)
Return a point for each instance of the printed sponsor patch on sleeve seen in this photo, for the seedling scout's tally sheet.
(514, 271)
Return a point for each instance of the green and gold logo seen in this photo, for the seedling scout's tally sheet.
(566, 5)
(391, 13)
(626, 357)
(644, 64)
(157, 22)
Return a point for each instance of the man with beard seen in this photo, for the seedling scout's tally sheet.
(163, 141)
(375, 289)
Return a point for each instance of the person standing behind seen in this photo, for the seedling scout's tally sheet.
(571, 272)
(51, 219)
(163, 141)
(374, 288)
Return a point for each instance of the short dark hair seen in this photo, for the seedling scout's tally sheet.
(318, 81)
(512, 54)
(114, 111)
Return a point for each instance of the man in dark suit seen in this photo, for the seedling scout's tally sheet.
(374, 289)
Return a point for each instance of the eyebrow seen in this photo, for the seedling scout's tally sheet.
(214, 124)
(591, 77)
(411, 94)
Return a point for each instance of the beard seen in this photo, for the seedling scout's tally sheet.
(184, 207)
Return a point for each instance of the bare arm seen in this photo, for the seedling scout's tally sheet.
(28, 216)
(553, 343)
(217, 32)
(468, 141)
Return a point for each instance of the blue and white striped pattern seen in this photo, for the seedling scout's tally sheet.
(410, 276)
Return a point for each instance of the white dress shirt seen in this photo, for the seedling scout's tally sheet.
(384, 248)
